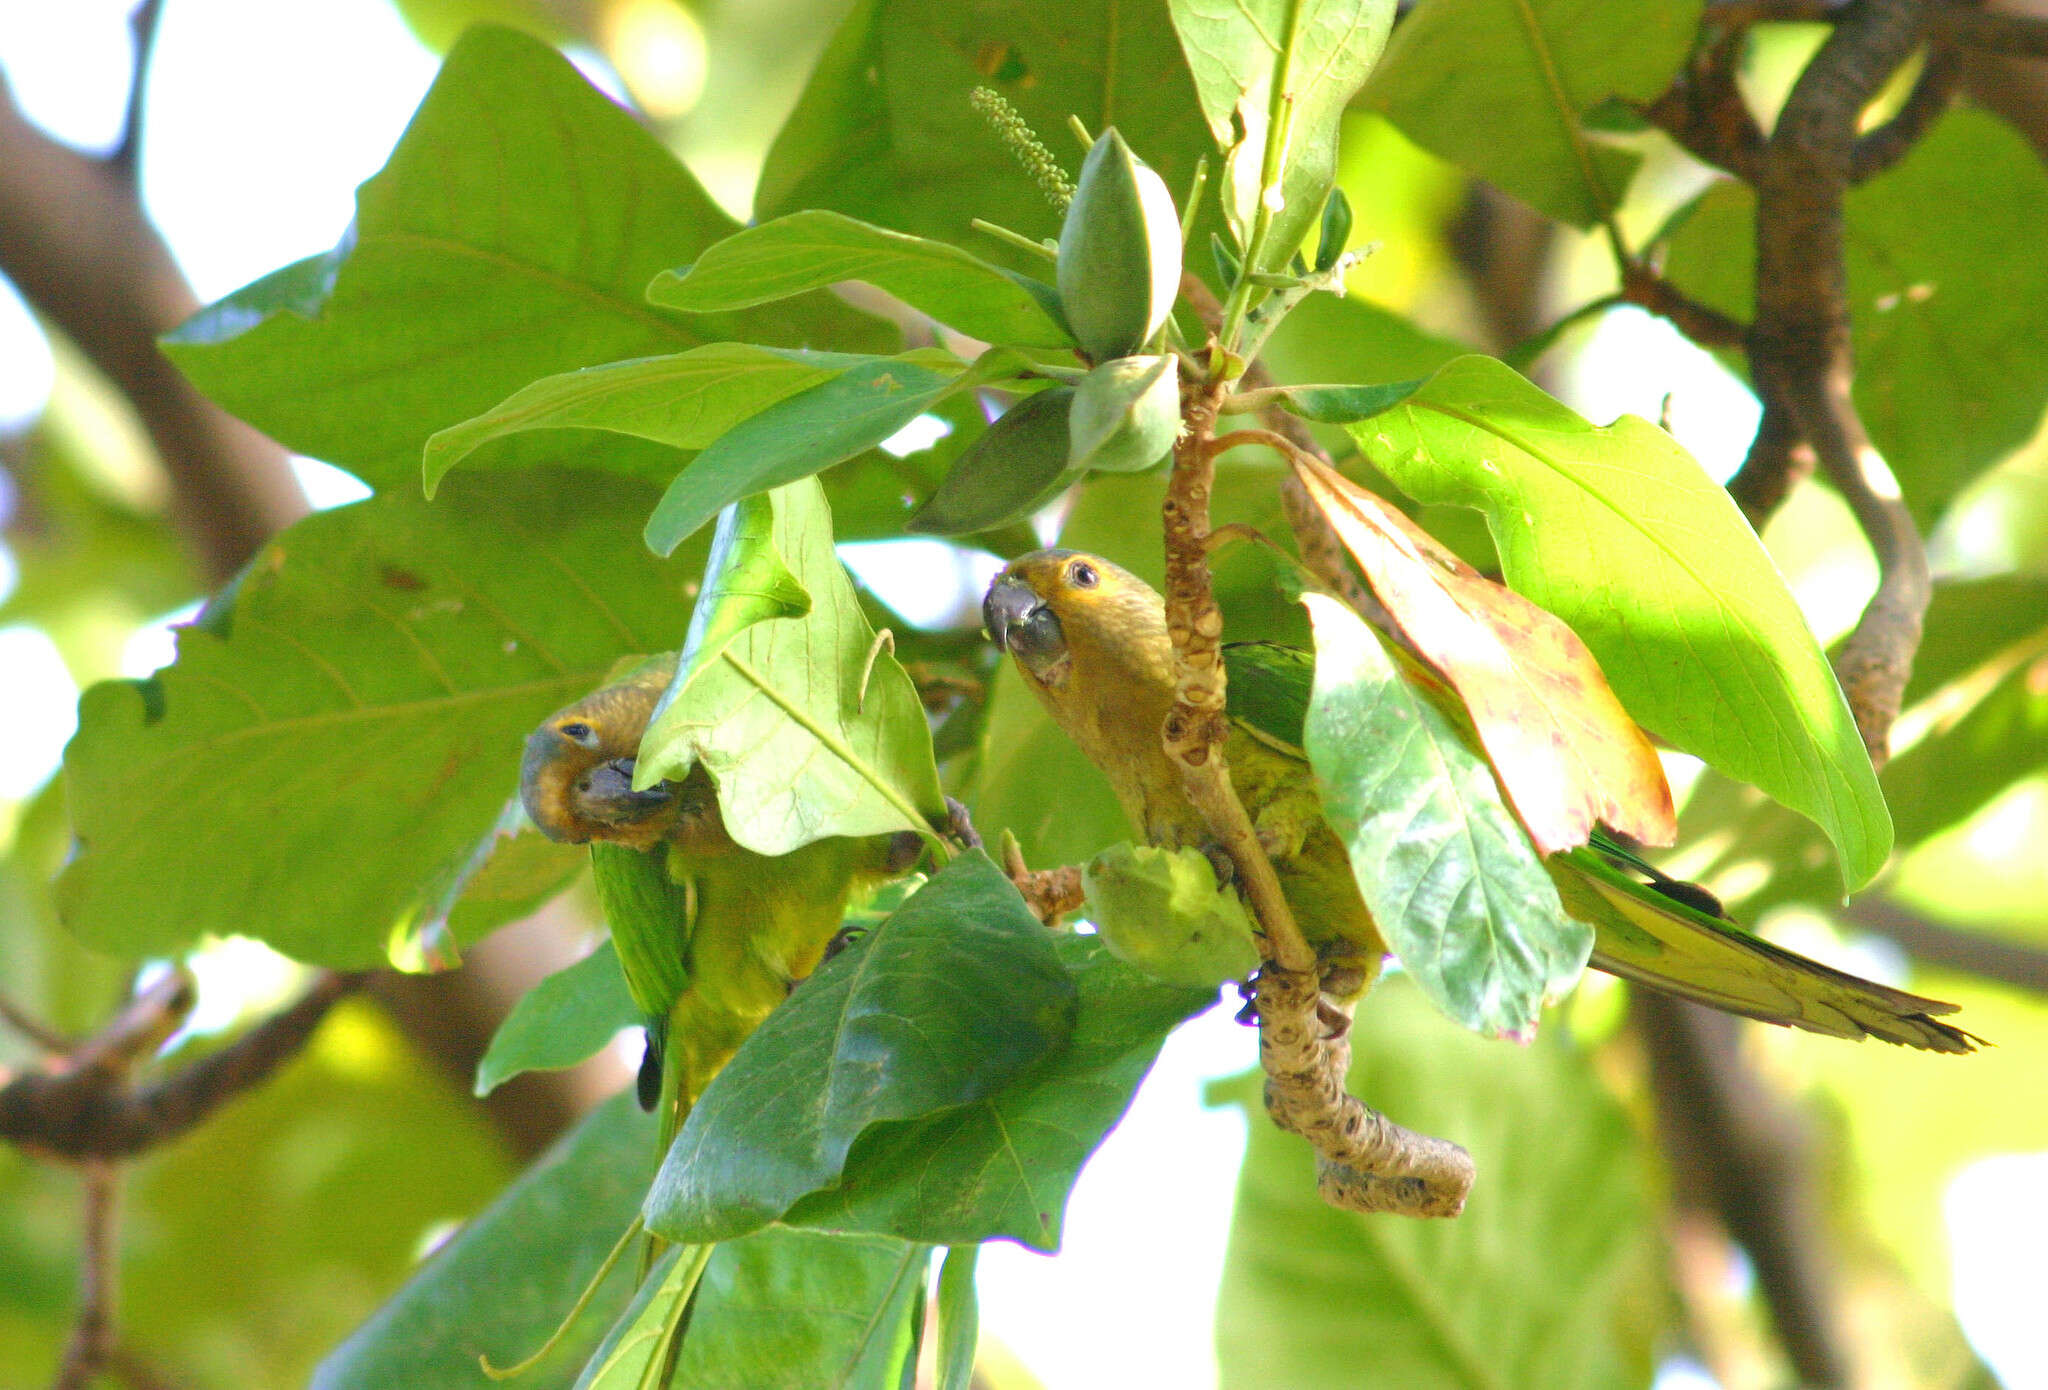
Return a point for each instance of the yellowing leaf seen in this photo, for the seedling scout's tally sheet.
(1565, 750)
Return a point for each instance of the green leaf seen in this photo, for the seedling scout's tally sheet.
(566, 1019)
(952, 996)
(1616, 530)
(1253, 59)
(1947, 301)
(884, 132)
(812, 430)
(808, 729)
(1552, 1279)
(635, 1355)
(802, 1310)
(507, 1278)
(1003, 1166)
(959, 1318)
(322, 766)
(814, 249)
(1538, 66)
(684, 400)
(1161, 911)
(1452, 881)
(510, 237)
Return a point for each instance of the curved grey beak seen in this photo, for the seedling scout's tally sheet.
(1008, 604)
(1019, 622)
(606, 794)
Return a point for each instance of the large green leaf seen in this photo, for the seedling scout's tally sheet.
(1254, 59)
(1617, 530)
(684, 400)
(1003, 1165)
(810, 250)
(826, 424)
(1502, 87)
(322, 765)
(511, 237)
(884, 132)
(1947, 299)
(503, 1283)
(807, 727)
(952, 996)
(1550, 1280)
(567, 1018)
(801, 1310)
(636, 1352)
(1452, 881)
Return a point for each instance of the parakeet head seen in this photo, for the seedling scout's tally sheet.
(1051, 608)
(576, 779)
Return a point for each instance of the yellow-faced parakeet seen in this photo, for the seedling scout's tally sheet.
(1091, 641)
(709, 934)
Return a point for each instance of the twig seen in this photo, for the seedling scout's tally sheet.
(126, 157)
(1800, 351)
(1050, 893)
(1948, 22)
(1934, 91)
(1778, 461)
(1994, 31)
(1364, 1161)
(39, 1033)
(87, 1111)
(1974, 953)
(1703, 109)
(92, 1334)
(1707, 326)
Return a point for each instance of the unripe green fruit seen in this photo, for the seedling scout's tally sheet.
(1161, 911)
(1120, 252)
(1017, 466)
(1126, 415)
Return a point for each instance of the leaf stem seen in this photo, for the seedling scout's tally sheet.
(1016, 239)
(582, 1302)
(837, 746)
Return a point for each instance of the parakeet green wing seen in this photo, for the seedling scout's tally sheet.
(1652, 933)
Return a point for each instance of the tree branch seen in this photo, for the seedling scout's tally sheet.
(86, 1111)
(74, 241)
(126, 157)
(1973, 953)
(1778, 461)
(92, 1334)
(1364, 1161)
(1934, 91)
(1801, 356)
(1735, 1149)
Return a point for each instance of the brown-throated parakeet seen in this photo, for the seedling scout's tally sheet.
(1091, 642)
(709, 934)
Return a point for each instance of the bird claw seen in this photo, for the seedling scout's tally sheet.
(960, 826)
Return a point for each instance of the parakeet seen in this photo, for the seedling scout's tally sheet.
(710, 935)
(1091, 642)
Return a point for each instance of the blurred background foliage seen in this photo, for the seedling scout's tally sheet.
(250, 1248)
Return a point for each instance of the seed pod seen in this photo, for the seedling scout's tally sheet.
(1017, 466)
(1119, 261)
(1126, 414)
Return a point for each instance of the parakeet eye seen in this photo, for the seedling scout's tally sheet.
(577, 731)
(1082, 575)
